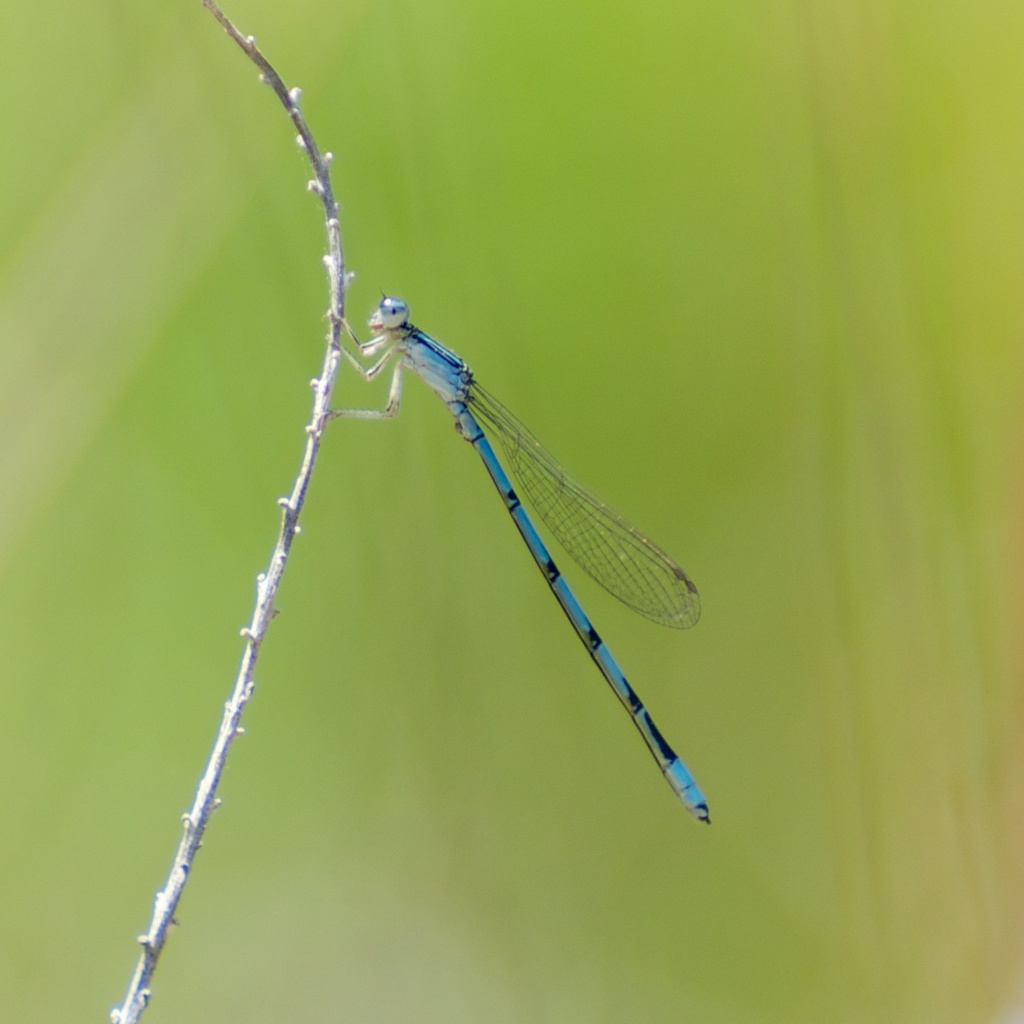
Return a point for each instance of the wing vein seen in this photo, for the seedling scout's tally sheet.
(626, 562)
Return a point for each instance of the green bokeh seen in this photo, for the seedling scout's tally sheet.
(752, 270)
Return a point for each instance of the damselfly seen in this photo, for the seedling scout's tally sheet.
(623, 560)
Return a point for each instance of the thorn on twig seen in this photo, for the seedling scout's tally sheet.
(247, 634)
(328, 157)
(314, 186)
(294, 94)
(300, 142)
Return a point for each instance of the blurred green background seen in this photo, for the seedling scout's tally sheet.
(752, 270)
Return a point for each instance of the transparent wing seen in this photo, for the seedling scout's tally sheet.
(624, 561)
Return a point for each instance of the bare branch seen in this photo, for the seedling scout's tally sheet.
(267, 583)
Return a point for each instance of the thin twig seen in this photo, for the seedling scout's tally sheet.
(206, 801)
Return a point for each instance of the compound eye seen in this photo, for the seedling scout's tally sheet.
(393, 312)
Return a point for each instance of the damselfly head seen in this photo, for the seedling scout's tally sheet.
(391, 313)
